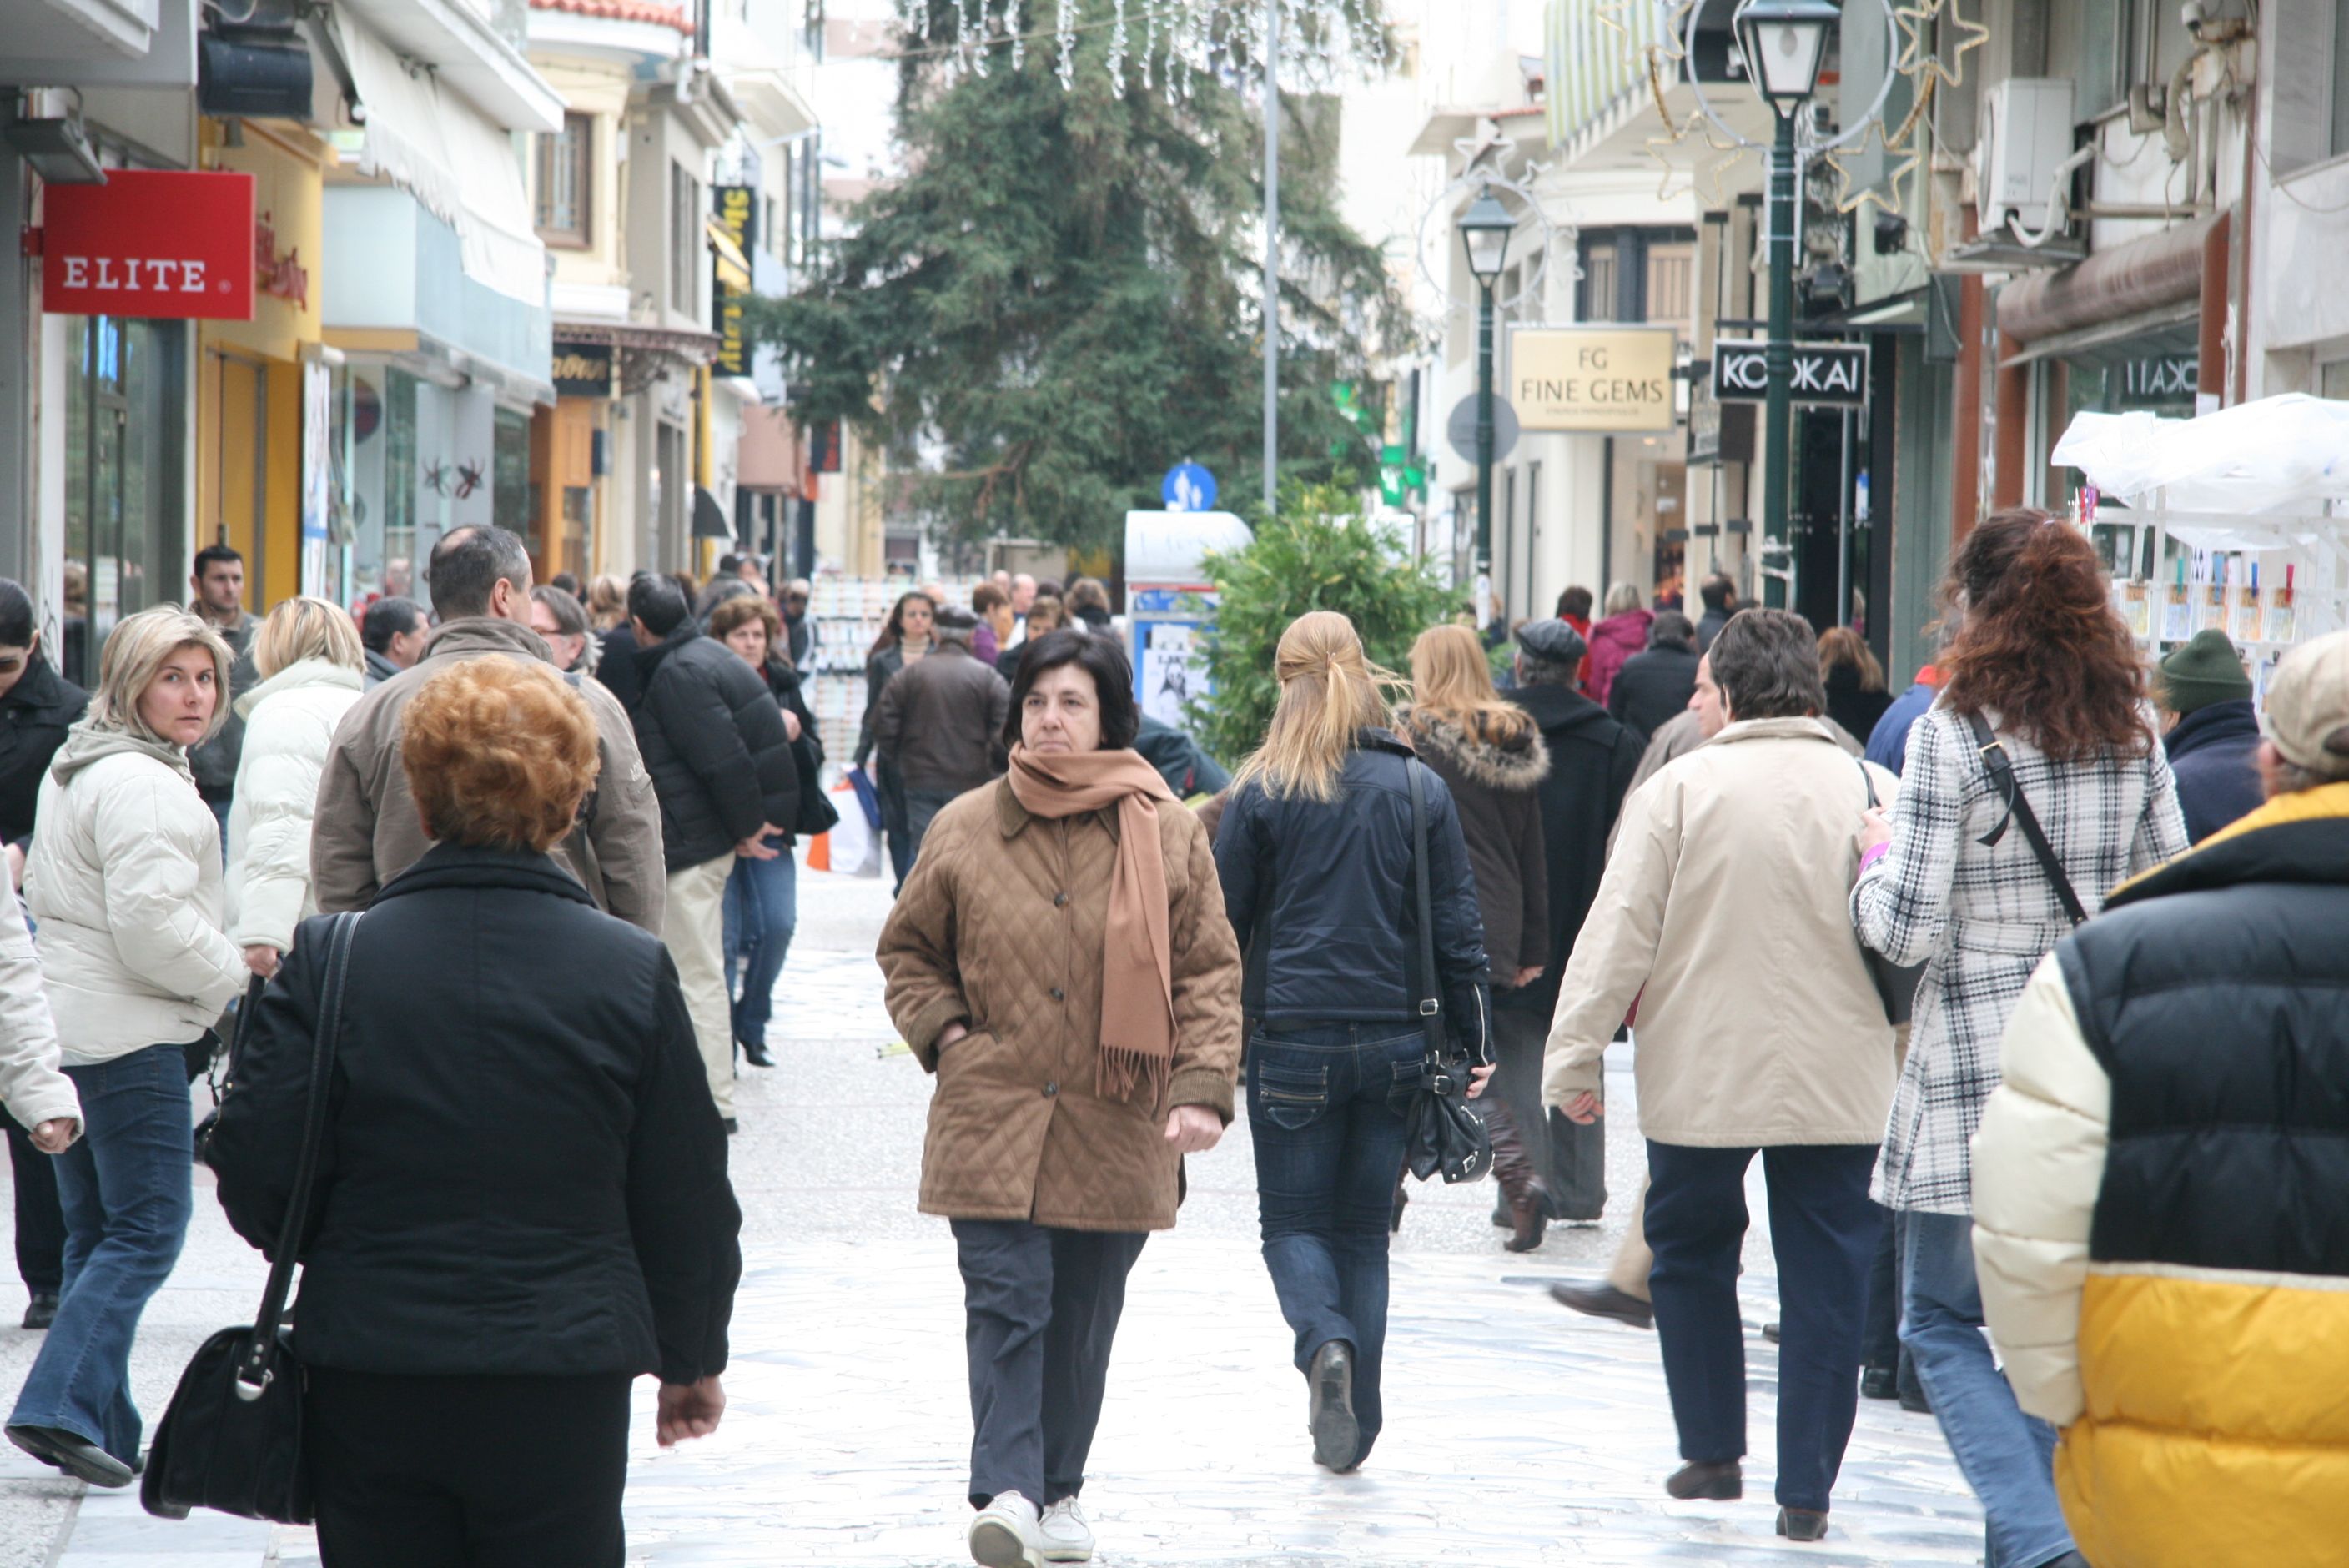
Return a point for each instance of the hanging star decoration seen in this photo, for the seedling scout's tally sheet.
(1904, 149)
(1656, 59)
(1920, 59)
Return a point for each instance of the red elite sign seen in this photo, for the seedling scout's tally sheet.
(150, 242)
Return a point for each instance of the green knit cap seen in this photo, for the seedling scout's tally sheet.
(2204, 671)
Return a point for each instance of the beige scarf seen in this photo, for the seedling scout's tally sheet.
(1137, 1027)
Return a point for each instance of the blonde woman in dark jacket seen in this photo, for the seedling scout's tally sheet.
(1491, 756)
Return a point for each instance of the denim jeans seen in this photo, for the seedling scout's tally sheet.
(1325, 1106)
(2007, 1457)
(762, 908)
(922, 806)
(1823, 1230)
(127, 1191)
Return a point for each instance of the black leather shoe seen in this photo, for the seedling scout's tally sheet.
(1604, 1301)
(85, 1461)
(1802, 1524)
(733, 1127)
(1770, 1332)
(1879, 1383)
(42, 1310)
(1336, 1436)
(1915, 1403)
(757, 1055)
(1708, 1480)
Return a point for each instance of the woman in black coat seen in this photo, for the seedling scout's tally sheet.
(522, 1203)
(1315, 852)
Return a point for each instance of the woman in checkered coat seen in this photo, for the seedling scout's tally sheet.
(1952, 881)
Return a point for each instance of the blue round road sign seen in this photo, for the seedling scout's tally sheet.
(1189, 488)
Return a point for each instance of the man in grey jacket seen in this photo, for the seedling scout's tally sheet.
(368, 831)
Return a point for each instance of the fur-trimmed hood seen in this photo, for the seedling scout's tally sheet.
(1516, 761)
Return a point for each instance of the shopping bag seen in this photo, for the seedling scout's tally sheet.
(853, 847)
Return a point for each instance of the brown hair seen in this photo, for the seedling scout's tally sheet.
(499, 754)
(1055, 611)
(1840, 645)
(743, 608)
(2040, 644)
(987, 596)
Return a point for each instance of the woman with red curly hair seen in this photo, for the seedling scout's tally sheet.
(2043, 722)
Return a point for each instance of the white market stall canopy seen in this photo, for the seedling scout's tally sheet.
(2236, 520)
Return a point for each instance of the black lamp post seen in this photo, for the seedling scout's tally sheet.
(1784, 43)
(1485, 231)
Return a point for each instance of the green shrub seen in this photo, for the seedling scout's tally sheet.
(1319, 553)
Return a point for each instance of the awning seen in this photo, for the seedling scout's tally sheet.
(443, 151)
(709, 521)
(2162, 269)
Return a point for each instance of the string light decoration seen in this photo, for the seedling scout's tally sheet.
(1321, 41)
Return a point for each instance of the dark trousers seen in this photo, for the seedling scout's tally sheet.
(921, 806)
(1572, 1159)
(891, 791)
(497, 1471)
(1325, 1107)
(40, 1223)
(1041, 1307)
(1879, 1334)
(1823, 1230)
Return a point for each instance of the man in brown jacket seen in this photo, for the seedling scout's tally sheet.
(368, 831)
(940, 723)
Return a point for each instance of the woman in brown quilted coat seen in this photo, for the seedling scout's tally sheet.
(1060, 960)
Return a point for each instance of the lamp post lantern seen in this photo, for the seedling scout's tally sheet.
(1785, 44)
(1485, 231)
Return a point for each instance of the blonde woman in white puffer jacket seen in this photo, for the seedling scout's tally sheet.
(313, 669)
(125, 880)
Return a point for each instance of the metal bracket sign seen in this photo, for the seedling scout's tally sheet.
(1831, 374)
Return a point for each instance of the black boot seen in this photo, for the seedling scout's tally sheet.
(756, 1054)
(1521, 1185)
(42, 1310)
(1711, 1481)
(1337, 1434)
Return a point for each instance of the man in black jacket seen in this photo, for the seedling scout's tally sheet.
(714, 742)
(1654, 687)
(1591, 759)
(940, 723)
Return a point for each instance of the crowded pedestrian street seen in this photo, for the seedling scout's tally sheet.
(1521, 1433)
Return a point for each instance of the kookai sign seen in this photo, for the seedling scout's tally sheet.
(1832, 373)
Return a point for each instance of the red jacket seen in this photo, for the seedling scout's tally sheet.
(1613, 641)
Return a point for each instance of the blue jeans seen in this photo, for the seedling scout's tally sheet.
(1326, 1115)
(762, 908)
(2007, 1457)
(1823, 1230)
(127, 1191)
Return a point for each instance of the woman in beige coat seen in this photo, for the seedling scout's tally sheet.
(1060, 960)
(1759, 1031)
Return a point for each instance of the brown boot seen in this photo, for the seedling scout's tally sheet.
(1521, 1185)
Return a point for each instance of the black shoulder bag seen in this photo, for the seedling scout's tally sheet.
(232, 1437)
(1895, 983)
(2019, 811)
(1440, 1133)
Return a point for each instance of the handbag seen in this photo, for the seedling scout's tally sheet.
(2019, 811)
(231, 1439)
(1895, 983)
(1439, 1133)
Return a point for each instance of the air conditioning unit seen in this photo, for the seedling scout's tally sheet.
(2025, 133)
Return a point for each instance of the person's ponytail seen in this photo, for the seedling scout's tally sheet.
(1330, 691)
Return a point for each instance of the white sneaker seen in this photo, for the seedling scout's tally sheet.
(1066, 1537)
(1005, 1534)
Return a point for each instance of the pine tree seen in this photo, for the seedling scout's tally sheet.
(1057, 301)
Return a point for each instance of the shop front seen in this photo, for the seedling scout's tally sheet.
(130, 269)
(256, 406)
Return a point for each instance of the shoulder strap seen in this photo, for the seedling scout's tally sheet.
(254, 1373)
(1430, 1000)
(2018, 809)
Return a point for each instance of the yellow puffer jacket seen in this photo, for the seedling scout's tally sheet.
(2160, 1230)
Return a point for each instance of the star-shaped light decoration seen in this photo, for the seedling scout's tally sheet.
(1920, 59)
(1904, 145)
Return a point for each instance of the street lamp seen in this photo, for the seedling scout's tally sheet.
(1784, 43)
(1485, 231)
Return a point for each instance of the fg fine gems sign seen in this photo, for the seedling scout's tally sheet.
(1613, 380)
(150, 242)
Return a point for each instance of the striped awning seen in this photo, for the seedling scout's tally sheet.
(1597, 53)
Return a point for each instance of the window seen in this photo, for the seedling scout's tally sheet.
(1598, 283)
(565, 177)
(684, 239)
(1671, 284)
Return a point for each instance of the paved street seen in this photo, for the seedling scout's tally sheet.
(1518, 1433)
